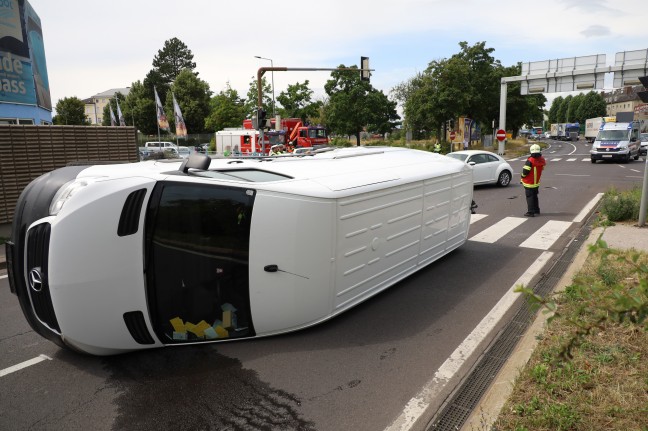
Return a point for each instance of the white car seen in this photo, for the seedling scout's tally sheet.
(184, 152)
(488, 168)
(108, 259)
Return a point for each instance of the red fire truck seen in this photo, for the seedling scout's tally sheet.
(294, 132)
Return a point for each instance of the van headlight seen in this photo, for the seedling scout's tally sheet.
(68, 190)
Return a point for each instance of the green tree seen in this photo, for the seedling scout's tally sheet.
(192, 95)
(296, 102)
(226, 110)
(593, 105)
(384, 118)
(553, 111)
(141, 107)
(70, 111)
(353, 104)
(251, 103)
(574, 107)
(172, 59)
(106, 110)
(563, 108)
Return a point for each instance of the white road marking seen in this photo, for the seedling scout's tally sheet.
(585, 211)
(571, 160)
(587, 159)
(556, 160)
(417, 405)
(476, 217)
(25, 364)
(544, 237)
(3, 276)
(498, 230)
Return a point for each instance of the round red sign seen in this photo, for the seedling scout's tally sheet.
(501, 135)
(452, 136)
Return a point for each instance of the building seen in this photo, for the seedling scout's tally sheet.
(24, 91)
(623, 99)
(95, 105)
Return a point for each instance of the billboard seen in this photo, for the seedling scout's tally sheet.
(23, 70)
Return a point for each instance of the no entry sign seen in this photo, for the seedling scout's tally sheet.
(501, 135)
(452, 136)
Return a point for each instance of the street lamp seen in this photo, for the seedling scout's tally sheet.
(273, 93)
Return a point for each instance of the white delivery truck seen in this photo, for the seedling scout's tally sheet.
(592, 126)
(616, 141)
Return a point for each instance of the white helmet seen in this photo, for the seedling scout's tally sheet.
(535, 148)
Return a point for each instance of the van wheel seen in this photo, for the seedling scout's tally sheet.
(636, 157)
(593, 161)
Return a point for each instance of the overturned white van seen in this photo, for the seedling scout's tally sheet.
(113, 258)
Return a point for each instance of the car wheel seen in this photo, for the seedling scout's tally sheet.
(593, 160)
(504, 179)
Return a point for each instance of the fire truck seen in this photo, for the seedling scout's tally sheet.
(294, 132)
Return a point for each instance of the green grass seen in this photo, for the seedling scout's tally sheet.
(590, 368)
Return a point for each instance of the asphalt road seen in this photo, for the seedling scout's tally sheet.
(359, 371)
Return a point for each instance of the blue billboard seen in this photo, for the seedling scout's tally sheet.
(23, 70)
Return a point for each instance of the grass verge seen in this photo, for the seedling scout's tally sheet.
(590, 368)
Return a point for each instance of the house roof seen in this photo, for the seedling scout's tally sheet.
(111, 93)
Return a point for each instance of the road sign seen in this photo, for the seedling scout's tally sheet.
(452, 135)
(501, 135)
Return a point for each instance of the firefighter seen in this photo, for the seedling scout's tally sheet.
(531, 173)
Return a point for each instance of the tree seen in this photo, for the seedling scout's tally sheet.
(251, 103)
(354, 104)
(296, 102)
(226, 110)
(563, 108)
(172, 59)
(141, 107)
(574, 106)
(192, 95)
(593, 105)
(384, 118)
(553, 111)
(70, 111)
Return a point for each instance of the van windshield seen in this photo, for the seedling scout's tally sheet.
(612, 135)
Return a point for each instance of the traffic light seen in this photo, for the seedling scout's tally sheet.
(261, 118)
(643, 95)
(364, 65)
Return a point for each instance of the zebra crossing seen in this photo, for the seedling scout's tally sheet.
(542, 239)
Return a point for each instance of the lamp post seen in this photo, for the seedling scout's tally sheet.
(273, 93)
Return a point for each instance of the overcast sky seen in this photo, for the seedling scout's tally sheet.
(93, 46)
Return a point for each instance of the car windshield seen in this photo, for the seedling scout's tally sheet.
(612, 135)
(461, 157)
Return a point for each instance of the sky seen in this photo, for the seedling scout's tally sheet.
(93, 46)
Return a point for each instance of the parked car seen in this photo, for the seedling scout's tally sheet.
(643, 150)
(184, 152)
(488, 168)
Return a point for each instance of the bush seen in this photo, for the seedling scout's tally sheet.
(621, 206)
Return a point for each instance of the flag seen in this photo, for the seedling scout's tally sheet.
(122, 122)
(181, 128)
(113, 122)
(163, 123)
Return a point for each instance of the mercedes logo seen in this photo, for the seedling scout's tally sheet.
(36, 280)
